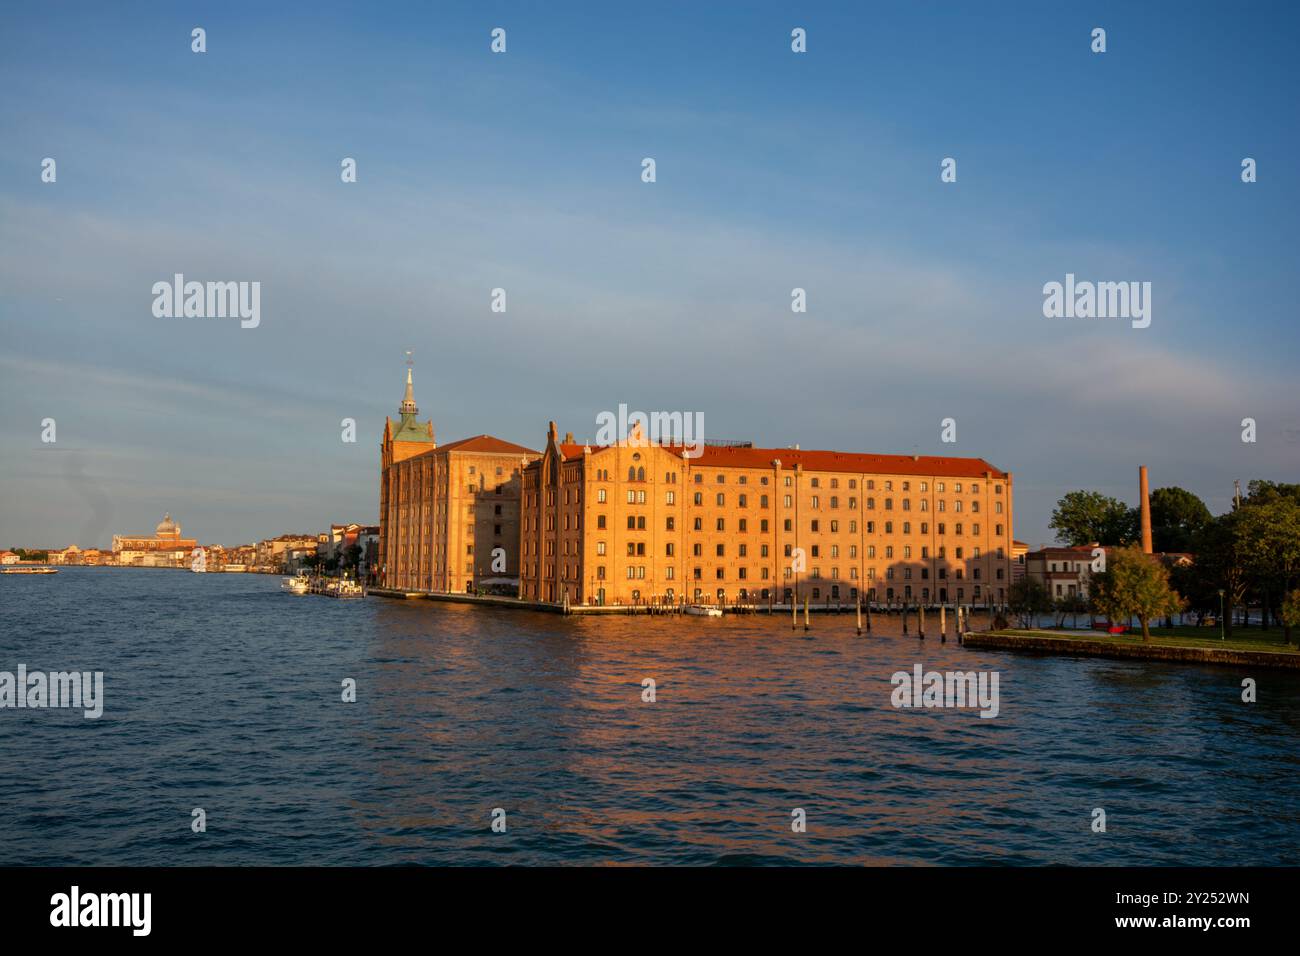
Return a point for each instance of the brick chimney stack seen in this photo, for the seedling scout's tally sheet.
(1144, 504)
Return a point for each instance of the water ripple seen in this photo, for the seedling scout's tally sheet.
(224, 694)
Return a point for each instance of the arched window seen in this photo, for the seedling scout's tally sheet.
(640, 474)
(631, 473)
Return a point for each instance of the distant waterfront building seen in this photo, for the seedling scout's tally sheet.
(284, 553)
(1064, 571)
(1067, 571)
(639, 522)
(8, 557)
(448, 514)
(1018, 551)
(337, 543)
(164, 548)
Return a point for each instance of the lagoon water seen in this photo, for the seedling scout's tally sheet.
(223, 693)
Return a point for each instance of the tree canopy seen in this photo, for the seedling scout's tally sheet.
(1177, 516)
(1082, 517)
(1134, 584)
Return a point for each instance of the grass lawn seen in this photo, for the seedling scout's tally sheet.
(1243, 639)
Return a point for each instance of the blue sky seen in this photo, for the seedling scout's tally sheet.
(522, 171)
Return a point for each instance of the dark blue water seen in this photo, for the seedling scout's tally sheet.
(223, 693)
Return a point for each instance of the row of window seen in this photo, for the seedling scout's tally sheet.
(638, 473)
(638, 523)
(638, 572)
(635, 548)
(762, 595)
(635, 497)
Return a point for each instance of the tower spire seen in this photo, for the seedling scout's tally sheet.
(408, 401)
(409, 428)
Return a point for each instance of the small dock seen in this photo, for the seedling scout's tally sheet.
(328, 587)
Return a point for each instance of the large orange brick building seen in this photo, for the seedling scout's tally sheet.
(640, 522)
(449, 514)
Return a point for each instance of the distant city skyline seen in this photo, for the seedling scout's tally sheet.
(522, 171)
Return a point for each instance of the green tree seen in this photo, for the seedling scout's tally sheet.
(1199, 592)
(1221, 565)
(1027, 598)
(1177, 516)
(351, 558)
(1134, 584)
(1291, 612)
(1268, 533)
(1082, 517)
(1261, 492)
(1071, 606)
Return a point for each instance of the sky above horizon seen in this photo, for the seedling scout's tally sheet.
(522, 171)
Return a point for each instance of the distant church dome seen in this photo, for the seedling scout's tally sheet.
(167, 528)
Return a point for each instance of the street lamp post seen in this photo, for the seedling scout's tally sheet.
(1221, 637)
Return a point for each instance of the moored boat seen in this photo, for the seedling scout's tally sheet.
(703, 610)
(298, 584)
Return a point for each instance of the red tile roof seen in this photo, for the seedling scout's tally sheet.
(717, 456)
(488, 444)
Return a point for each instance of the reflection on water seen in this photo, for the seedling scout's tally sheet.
(223, 693)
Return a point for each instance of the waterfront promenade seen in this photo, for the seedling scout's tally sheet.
(1200, 650)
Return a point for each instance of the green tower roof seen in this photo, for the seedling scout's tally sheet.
(408, 428)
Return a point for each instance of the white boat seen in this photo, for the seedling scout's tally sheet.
(703, 610)
(299, 584)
